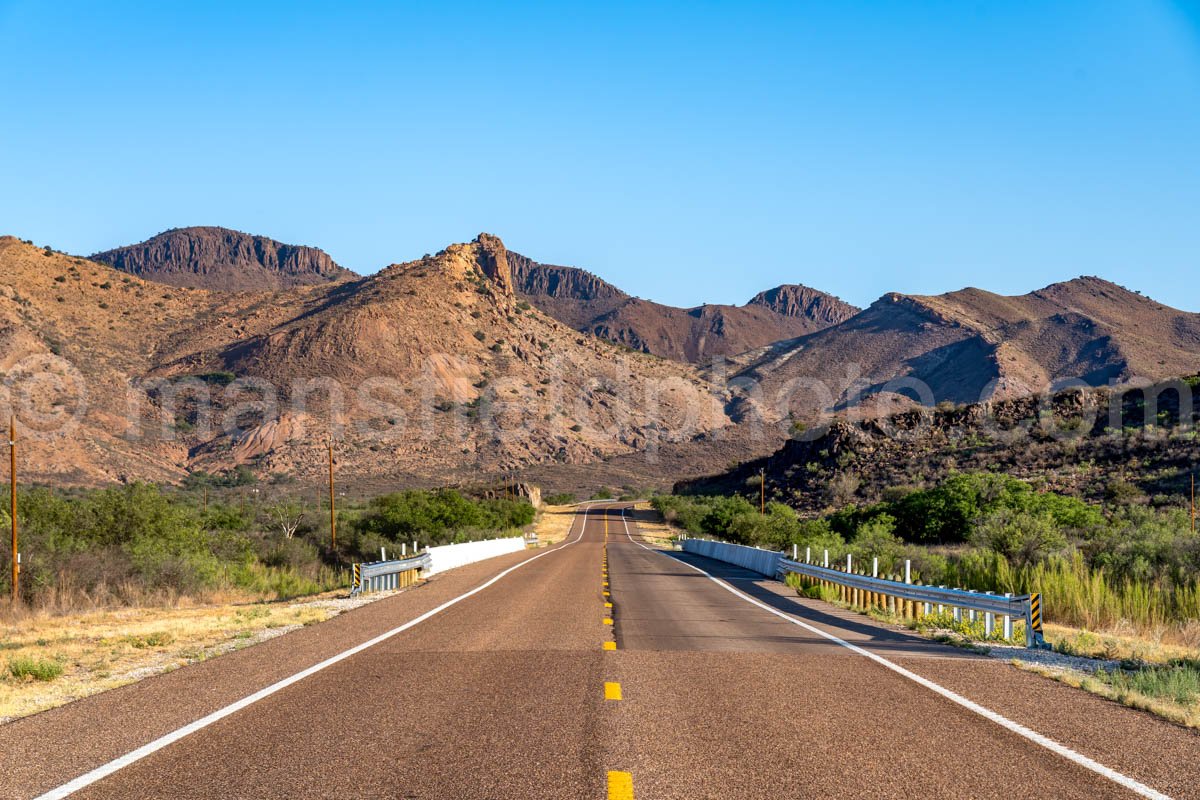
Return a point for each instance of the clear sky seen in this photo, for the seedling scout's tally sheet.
(688, 152)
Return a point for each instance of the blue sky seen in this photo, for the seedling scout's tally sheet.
(688, 152)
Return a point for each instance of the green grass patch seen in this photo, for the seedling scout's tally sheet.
(1177, 681)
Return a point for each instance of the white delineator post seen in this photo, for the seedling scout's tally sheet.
(825, 563)
(1007, 621)
(808, 555)
(875, 567)
(795, 551)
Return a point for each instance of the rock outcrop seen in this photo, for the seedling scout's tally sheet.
(224, 260)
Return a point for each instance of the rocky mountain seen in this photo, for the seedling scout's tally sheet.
(587, 303)
(432, 368)
(441, 369)
(968, 346)
(224, 260)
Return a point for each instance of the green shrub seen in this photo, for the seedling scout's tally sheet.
(37, 669)
(442, 516)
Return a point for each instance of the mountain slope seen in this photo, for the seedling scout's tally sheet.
(224, 260)
(432, 368)
(587, 303)
(972, 345)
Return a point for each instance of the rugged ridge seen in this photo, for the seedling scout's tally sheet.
(224, 260)
(697, 335)
(972, 345)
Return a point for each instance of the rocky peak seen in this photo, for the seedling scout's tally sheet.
(795, 300)
(493, 259)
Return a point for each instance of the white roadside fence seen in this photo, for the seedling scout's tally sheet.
(449, 556)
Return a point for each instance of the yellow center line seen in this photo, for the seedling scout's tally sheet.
(610, 645)
(620, 786)
(612, 691)
(608, 605)
(608, 620)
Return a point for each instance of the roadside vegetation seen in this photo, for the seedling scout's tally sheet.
(1120, 579)
(223, 538)
(1116, 566)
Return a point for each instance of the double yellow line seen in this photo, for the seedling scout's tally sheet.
(620, 784)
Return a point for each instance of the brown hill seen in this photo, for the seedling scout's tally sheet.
(970, 345)
(587, 303)
(224, 260)
(432, 368)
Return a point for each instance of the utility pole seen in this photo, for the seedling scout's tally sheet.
(1193, 503)
(332, 506)
(206, 498)
(12, 488)
(762, 492)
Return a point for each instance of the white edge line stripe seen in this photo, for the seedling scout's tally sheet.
(1004, 722)
(104, 770)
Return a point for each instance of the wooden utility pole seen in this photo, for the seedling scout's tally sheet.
(12, 488)
(762, 492)
(332, 505)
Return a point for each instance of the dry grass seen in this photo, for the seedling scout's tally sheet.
(554, 523)
(101, 650)
(1116, 645)
(651, 525)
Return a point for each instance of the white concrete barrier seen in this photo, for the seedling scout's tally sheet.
(764, 562)
(449, 556)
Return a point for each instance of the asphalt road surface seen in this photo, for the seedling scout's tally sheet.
(512, 678)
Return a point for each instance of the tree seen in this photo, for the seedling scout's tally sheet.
(1021, 537)
(287, 514)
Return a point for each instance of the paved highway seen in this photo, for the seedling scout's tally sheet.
(512, 678)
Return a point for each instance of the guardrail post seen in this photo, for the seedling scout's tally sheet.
(908, 604)
(1007, 621)
(989, 622)
(847, 591)
(957, 610)
(941, 607)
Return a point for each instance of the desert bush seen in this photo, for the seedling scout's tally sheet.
(37, 669)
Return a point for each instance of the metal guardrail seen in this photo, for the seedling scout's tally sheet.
(866, 591)
(379, 576)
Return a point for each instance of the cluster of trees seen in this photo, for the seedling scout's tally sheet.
(441, 517)
(141, 542)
